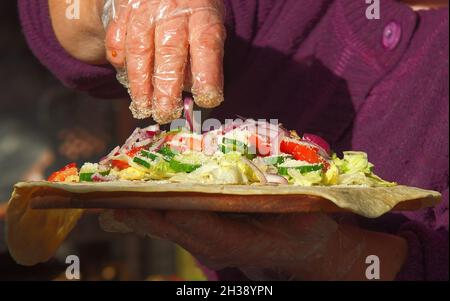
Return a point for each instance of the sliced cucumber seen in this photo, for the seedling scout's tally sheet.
(149, 155)
(302, 169)
(87, 176)
(276, 160)
(167, 153)
(141, 162)
(234, 143)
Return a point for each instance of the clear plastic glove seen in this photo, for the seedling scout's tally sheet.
(160, 47)
(264, 247)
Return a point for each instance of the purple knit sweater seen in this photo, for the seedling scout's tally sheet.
(320, 66)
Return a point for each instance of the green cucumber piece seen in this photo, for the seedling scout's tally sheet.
(276, 160)
(87, 176)
(141, 162)
(149, 155)
(167, 153)
(302, 169)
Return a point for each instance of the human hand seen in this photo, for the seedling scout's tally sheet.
(269, 246)
(160, 47)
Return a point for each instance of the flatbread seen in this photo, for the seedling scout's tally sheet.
(33, 235)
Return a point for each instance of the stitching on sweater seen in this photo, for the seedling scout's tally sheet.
(421, 52)
(404, 66)
(349, 37)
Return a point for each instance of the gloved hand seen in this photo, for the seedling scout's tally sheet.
(264, 247)
(160, 47)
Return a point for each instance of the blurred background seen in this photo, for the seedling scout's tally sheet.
(44, 126)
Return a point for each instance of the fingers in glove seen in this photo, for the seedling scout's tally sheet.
(116, 34)
(206, 39)
(171, 43)
(140, 51)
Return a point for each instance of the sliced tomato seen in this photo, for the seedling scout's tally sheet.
(119, 164)
(262, 148)
(300, 152)
(326, 165)
(306, 153)
(65, 172)
(288, 146)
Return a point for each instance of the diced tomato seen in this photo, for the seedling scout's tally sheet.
(300, 152)
(262, 148)
(288, 146)
(119, 164)
(306, 153)
(65, 172)
(134, 151)
(326, 165)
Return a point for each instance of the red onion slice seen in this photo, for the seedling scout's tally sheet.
(311, 144)
(96, 177)
(271, 178)
(188, 113)
(131, 140)
(259, 174)
(319, 141)
(149, 132)
(143, 143)
(106, 158)
(157, 145)
(152, 128)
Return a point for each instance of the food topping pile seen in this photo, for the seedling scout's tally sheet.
(241, 152)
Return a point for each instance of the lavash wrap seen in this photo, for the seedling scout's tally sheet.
(34, 235)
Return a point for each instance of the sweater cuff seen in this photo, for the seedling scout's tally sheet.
(362, 50)
(98, 81)
(427, 253)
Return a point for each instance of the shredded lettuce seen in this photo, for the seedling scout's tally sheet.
(355, 169)
(191, 157)
(231, 167)
(331, 176)
(213, 173)
(160, 170)
(89, 168)
(353, 162)
(306, 179)
(221, 169)
(235, 159)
